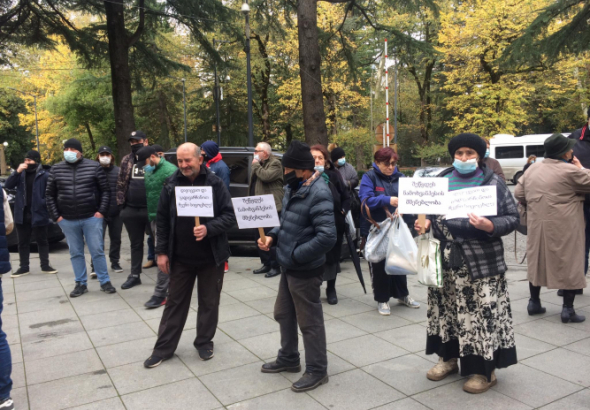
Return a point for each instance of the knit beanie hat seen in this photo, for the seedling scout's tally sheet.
(146, 152)
(210, 148)
(336, 154)
(73, 143)
(298, 156)
(468, 140)
(34, 155)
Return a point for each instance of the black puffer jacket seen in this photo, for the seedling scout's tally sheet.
(307, 230)
(112, 176)
(71, 190)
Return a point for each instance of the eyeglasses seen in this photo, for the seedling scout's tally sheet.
(389, 164)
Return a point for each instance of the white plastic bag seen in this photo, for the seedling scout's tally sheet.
(429, 261)
(351, 228)
(376, 245)
(402, 252)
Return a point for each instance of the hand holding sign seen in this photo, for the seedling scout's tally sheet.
(256, 212)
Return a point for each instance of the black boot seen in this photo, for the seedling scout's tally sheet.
(309, 381)
(568, 314)
(331, 292)
(262, 269)
(273, 272)
(535, 308)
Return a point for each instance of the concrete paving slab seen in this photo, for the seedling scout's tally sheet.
(249, 327)
(120, 333)
(58, 367)
(286, 399)
(576, 401)
(365, 350)
(120, 354)
(411, 338)
(564, 364)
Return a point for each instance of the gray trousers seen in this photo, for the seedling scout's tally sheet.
(163, 280)
(298, 302)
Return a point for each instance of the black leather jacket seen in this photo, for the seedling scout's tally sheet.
(71, 190)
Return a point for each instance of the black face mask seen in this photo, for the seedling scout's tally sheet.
(31, 167)
(292, 180)
(136, 147)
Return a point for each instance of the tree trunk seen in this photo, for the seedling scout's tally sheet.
(90, 137)
(120, 75)
(314, 118)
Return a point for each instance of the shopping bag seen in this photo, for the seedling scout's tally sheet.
(377, 241)
(402, 252)
(429, 261)
(350, 225)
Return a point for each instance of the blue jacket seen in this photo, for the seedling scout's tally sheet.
(307, 230)
(221, 170)
(377, 196)
(39, 214)
(4, 255)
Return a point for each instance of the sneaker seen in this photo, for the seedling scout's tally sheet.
(20, 272)
(93, 275)
(206, 354)
(6, 404)
(79, 290)
(149, 264)
(116, 267)
(409, 302)
(154, 361)
(442, 369)
(48, 269)
(155, 302)
(132, 280)
(383, 309)
(107, 287)
(479, 383)
(226, 268)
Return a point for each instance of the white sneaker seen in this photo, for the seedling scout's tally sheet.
(409, 302)
(92, 275)
(383, 309)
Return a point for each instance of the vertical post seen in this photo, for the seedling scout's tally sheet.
(184, 104)
(249, 82)
(2, 160)
(371, 95)
(36, 128)
(395, 75)
(217, 97)
(386, 99)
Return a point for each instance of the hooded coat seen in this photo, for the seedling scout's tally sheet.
(553, 192)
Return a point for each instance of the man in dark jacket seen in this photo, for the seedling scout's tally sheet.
(188, 252)
(214, 161)
(112, 220)
(72, 203)
(30, 211)
(131, 197)
(306, 234)
(267, 178)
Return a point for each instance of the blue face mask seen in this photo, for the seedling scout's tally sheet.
(341, 161)
(70, 156)
(149, 168)
(319, 168)
(487, 153)
(465, 167)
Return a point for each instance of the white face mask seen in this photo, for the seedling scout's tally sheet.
(104, 160)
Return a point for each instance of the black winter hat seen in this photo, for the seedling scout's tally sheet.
(137, 136)
(557, 145)
(468, 140)
(73, 143)
(336, 154)
(298, 156)
(105, 148)
(146, 152)
(34, 155)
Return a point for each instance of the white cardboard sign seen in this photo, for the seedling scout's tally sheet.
(423, 196)
(256, 212)
(194, 201)
(481, 201)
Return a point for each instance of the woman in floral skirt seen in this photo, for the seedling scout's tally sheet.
(469, 318)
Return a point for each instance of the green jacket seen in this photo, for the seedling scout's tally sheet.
(269, 179)
(153, 185)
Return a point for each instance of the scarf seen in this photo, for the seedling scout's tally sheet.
(584, 129)
(213, 160)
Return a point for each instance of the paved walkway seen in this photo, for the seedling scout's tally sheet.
(87, 353)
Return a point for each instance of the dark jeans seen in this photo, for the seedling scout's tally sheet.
(136, 222)
(5, 360)
(298, 303)
(267, 258)
(24, 232)
(587, 217)
(387, 286)
(182, 282)
(115, 225)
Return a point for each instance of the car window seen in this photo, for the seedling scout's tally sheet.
(536, 150)
(239, 167)
(514, 151)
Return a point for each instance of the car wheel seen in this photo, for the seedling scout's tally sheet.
(517, 177)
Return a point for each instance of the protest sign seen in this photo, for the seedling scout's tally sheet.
(423, 196)
(194, 201)
(256, 212)
(481, 201)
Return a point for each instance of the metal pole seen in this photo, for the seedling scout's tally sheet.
(395, 105)
(249, 81)
(184, 103)
(386, 99)
(37, 125)
(217, 97)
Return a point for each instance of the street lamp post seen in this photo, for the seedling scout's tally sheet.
(184, 104)
(246, 11)
(36, 122)
(217, 96)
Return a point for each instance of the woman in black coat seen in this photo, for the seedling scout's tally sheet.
(342, 200)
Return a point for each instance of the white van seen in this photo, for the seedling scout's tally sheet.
(512, 152)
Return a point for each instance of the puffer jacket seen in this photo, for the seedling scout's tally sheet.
(112, 175)
(154, 182)
(71, 190)
(307, 230)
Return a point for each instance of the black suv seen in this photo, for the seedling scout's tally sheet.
(239, 161)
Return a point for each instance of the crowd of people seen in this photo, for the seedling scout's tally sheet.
(469, 326)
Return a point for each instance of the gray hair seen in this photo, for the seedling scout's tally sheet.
(188, 145)
(266, 147)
